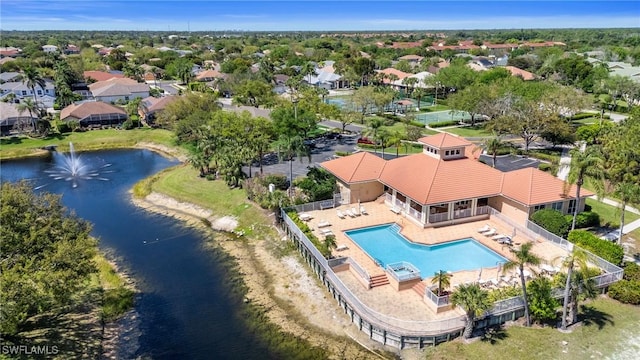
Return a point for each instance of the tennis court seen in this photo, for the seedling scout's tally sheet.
(446, 115)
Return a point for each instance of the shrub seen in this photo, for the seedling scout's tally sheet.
(279, 180)
(631, 271)
(544, 167)
(584, 219)
(128, 124)
(343, 153)
(580, 116)
(443, 123)
(504, 293)
(626, 291)
(63, 127)
(416, 123)
(607, 250)
(551, 220)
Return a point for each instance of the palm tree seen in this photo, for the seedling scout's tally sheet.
(474, 301)
(32, 78)
(442, 279)
(27, 104)
(330, 243)
(629, 193)
(493, 145)
(577, 257)
(587, 164)
(395, 139)
(523, 257)
(374, 126)
(582, 287)
(289, 148)
(323, 93)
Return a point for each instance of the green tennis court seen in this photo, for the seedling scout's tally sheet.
(447, 115)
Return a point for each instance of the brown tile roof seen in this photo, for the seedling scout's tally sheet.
(444, 140)
(531, 186)
(432, 181)
(101, 75)
(83, 110)
(519, 72)
(209, 74)
(355, 168)
(152, 104)
(411, 57)
(388, 71)
(429, 180)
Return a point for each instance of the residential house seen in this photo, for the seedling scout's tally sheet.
(150, 107)
(93, 76)
(71, 49)
(92, 114)
(10, 76)
(45, 97)
(525, 75)
(325, 77)
(4, 60)
(210, 75)
(445, 184)
(393, 77)
(413, 60)
(10, 52)
(118, 89)
(49, 48)
(421, 78)
(10, 115)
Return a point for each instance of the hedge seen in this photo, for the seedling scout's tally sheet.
(307, 231)
(626, 291)
(607, 250)
(552, 221)
(631, 271)
(584, 219)
(443, 123)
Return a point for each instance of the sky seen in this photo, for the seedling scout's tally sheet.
(348, 15)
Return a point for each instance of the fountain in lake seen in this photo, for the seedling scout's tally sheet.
(72, 168)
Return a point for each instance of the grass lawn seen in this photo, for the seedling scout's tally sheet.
(183, 183)
(12, 147)
(402, 129)
(470, 131)
(610, 214)
(609, 330)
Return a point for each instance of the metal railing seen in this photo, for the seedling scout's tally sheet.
(358, 269)
(438, 300)
(410, 328)
(319, 205)
(403, 271)
(434, 218)
(507, 305)
(538, 230)
(457, 214)
(399, 203)
(482, 210)
(416, 214)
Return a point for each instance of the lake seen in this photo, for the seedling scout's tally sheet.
(185, 308)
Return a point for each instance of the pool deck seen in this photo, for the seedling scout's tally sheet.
(407, 304)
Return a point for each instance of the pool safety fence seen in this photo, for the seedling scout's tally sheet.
(439, 301)
(319, 205)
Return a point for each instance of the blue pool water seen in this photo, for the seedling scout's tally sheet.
(386, 246)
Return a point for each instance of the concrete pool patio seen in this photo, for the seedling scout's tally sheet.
(409, 304)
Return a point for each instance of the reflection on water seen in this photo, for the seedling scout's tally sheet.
(186, 310)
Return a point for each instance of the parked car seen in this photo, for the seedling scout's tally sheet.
(364, 140)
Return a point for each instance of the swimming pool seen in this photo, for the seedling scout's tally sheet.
(385, 245)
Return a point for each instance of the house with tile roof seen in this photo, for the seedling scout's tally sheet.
(118, 89)
(94, 114)
(44, 96)
(100, 75)
(445, 185)
(150, 107)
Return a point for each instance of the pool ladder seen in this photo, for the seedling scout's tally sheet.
(395, 228)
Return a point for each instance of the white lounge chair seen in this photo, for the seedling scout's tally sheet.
(342, 247)
(363, 210)
(340, 214)
(498, 237)
(305, 217)
(485, 228)
(324, 223)
(396, 209)
(506, 240)
(326, 232)
(491, 232)
(350, 213)
(355, 211)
